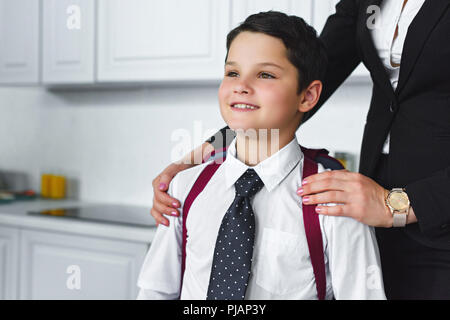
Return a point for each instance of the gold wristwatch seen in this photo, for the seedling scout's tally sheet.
(398, 202)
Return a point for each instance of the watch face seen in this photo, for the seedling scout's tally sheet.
(399, 200)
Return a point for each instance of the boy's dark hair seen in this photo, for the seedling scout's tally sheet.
(304, 49)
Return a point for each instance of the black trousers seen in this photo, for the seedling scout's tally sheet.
(411, 270)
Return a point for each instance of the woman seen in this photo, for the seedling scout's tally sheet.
(404, 178)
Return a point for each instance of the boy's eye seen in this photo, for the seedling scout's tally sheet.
(263, 75)
(266, 75)
(231, 74)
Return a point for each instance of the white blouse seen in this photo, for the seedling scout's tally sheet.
(389, 48)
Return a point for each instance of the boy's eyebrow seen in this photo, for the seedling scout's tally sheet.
(262, 64)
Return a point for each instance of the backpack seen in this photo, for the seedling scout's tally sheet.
(310, 218)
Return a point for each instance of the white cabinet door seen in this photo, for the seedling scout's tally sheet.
(62, 266)
(19, 39)
(68, 41)
(142, 40)
(321, 11)
(9, 262)
(243, 8)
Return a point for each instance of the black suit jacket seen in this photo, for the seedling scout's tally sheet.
(417, 113)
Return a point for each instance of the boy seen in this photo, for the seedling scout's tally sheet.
(246, 238)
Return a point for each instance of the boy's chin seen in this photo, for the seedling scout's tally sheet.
(242, 127)
(249, 129)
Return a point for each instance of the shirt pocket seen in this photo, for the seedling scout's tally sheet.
(283, 262)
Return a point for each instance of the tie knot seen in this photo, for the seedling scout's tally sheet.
(248, 184)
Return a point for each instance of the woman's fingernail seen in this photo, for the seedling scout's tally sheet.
(162, 186)
(318, 209)
(304, 182)
(306, 199)
(174, 213)
(300, 191)
(175, 204)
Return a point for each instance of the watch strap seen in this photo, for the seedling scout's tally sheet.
(399, 219)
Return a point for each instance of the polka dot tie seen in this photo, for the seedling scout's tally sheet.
(234, 245)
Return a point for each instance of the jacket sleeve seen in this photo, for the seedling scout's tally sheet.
(430, 199)
(339, 38)
(222, 138)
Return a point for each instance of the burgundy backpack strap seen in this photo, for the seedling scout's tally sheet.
(313, 153)
(313, 234)
(321, 156)
(198, 187)
(215, 154)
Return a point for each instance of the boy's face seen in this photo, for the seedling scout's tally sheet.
(258, 73)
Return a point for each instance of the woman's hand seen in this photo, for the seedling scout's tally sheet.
(163, 204)
(357, 196)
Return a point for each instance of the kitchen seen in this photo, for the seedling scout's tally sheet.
(94, 91)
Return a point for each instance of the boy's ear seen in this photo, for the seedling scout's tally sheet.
(310, 96)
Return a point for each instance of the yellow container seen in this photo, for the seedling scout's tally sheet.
(57, 187)
(45, 185)
(57, 212)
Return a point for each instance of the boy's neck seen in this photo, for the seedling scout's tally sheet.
(253, 150)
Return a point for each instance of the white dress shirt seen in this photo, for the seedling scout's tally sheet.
(389, 48)
(281, 267)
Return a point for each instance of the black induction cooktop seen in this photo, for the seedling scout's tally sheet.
(113, 214)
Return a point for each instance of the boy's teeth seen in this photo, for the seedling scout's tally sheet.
(244, 106)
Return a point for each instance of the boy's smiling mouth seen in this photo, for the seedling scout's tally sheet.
(240, 106)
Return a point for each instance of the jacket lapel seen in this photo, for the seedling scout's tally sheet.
(417, 34)
(370, 53)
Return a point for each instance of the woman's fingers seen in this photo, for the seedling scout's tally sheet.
(337, 210)
(159, 218)
(164, 204)
(326, 197)
(340, 180)
(335, 174)
(360, 198)
(322, 185)
(164, 201)
(165, 208)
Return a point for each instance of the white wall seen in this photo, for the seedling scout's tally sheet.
(111, 143)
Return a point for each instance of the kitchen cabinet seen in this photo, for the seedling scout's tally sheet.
(56, 255)
(68, 47)
(134, 41)
(141, 40)
(19, 38)
(9, 258)
(243, 8)
(63, 266)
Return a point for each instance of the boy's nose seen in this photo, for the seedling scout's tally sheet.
(242, 88)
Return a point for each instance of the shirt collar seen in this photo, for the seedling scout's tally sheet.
(271, 171)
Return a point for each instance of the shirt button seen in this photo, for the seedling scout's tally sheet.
(444, 226)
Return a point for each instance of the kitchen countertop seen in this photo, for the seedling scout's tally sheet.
(17, 214)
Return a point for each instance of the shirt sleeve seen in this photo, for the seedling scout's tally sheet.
(160, 276)
(353, 258)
